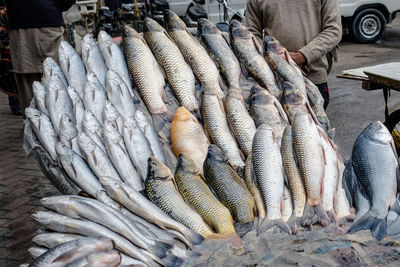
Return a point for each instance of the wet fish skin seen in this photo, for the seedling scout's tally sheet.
(145, 71)
(78, 170)
(95, 211)
(248, 51)
(375, 164)
(114, 58)
(266, 109)
(179, 74)
(39, 94)
(141, 206)
(310, 155)
(96, 157)
(191, 185)
(71, 250)
(137, 145)
(35, 252)
(92, 59)
(43, 129)
(239, 120)
(92, 127)
(69, 133)
(111, 114)
(228, 185)
(188, 136)
(77, 107)
(72, 66)
(253, 187)
(219, 50)
(58, 101)
(217, 126)
(51, 67)
(52, 239)
(195, 54)
(61, 223)
(293, 101)
(110, 258)
(118, 154)
(94, 96)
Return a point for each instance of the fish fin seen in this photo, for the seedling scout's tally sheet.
(369, 221)
(314, 211)
(160, 249)
(396, 206)
(394, 227)
(311, 112)
(268, 224)
(324, 152)
(193, 237)
(257, 45)
(282, 112)
(293, 223)
(164, 95)
(172, 260)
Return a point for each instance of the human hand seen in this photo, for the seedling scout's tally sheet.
(298, 58)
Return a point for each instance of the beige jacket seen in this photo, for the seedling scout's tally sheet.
(312, 27)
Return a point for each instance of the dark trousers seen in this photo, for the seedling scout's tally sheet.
(24, 87)
(324, 90)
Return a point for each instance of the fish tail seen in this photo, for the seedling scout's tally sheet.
(160, 249)
(293, 223)
(314, 214)
(369, 221)
(194, 237)
(233, 239)
(172, 260)
(268, 224)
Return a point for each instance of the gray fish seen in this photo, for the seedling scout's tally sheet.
(68, 133)
(92, 127)
(58, 101)
(137, 145)
(52, 239)
(78, 107)
(96, 157)
(219, 50)
(78, 170)
(94, 96)
(253, 187)
(293, 101)
(269, 174)
(72, 66)
(118, 154)
(71, 250)
(93, 59)
(44, 130)
(374, 160)
(111, 114)
(216, 124)
(50, 68)
(110, 258)
(35, 252)
(114, 58)
(39, 94)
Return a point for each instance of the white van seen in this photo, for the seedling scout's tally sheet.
(365, 19)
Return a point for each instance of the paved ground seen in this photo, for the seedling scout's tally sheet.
(22, 184)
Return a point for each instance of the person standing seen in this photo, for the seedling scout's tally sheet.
(36, 30)
(310, 29)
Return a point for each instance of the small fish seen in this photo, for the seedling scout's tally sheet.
(253, 187)
(39, 94)
(111, 114)
(93, 59)
(94, 96)
(69, 134)
(52, 239)
(50, 68)
(77, 107)
(92, 127)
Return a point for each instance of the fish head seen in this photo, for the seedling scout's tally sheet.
(43, 217)
(187, 164)
(73, 94)
(86, 142)
(110, 129)
(273, 45)
(204, 26)
(87, 43)
(66, 50)
(91, 77)
(182, 114)
(150, 25)
(38, 88)
(104, 38)
(32, 113)
(238, 31)
(48, 65)
(62, 150)
(172, 21)
(215, 154)
(67, 126)
(130, 32)
(158, 170)
(109, 111)
(292, 95)
(378, 132)
(56, 83)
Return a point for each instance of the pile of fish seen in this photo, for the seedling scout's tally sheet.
(155, 147)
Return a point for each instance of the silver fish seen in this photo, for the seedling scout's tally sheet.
(94, 96)
(92, 127)
(78, 170)
(138, 146)
(116, 150)
(110, 258)
(51, 67)
(78, 107)
(39, 94)
(96, 157)
(111, 114)
(93, 59)
(114, 58)
(58, 101)
(52, 239)
(68, 133)
(44, 130)
(35, 252)
(72, 66)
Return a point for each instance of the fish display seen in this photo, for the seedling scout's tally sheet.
(165, 159)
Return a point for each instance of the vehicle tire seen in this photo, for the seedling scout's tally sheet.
(393, 125)
(368, 25)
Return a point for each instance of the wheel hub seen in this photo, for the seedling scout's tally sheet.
(370, 26)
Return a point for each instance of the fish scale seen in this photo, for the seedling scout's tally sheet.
(229, 186)
(179, 74)
(195, 191)
(217, 126)
(163, 193)
(268, 169)
(145, 71)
